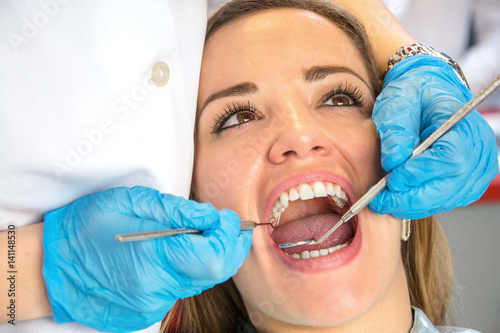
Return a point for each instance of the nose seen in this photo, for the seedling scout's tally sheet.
(299, 136)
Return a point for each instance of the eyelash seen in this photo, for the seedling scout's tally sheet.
(229, 111)
(348, 90)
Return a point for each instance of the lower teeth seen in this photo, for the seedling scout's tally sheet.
(320, 252)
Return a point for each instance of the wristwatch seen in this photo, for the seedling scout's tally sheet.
(417, 48)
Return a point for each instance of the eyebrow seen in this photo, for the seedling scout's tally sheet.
(241, 89)
(318, 73)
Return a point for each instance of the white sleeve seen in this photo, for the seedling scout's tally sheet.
(79, 112)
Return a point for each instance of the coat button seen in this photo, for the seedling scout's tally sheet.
(160, 74)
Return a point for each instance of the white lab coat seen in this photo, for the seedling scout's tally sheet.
(79, 111)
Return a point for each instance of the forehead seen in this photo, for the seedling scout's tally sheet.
(276, 43)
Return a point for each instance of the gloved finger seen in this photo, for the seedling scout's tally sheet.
(419, 202)
(397, 126)
(444, 159)
(440, 108)
(138, 201)
(185, 213)
(146, 203)
(214, 256)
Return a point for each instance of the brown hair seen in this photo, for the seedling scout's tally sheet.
(426, 256)
(429, 270)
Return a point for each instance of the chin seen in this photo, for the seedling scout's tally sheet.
(306, 311)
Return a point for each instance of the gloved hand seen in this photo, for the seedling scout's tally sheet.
(123, 287)
(419, 94)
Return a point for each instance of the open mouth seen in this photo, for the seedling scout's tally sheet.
(309, 211)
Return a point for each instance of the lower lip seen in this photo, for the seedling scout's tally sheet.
(334, 260)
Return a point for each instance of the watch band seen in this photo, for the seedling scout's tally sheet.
(417, 48)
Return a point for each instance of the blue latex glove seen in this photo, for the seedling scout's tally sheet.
(122, 287)
(419, 94)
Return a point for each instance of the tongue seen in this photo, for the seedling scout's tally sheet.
(313, 226)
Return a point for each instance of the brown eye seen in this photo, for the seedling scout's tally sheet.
(339, 101)
(243, 117)
(239, 118)
(343, 95)
(234, 115)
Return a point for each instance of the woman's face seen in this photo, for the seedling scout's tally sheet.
(285, 124)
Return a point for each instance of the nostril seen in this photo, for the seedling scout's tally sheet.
(321, 150)
(315, 148)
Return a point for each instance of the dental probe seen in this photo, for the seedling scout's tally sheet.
(244, 225)
(377, 188)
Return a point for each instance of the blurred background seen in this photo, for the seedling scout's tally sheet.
(469, 32)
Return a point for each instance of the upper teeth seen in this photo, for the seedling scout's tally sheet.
(305, 192)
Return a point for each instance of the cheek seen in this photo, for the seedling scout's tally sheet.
(369, 156)
(361, 147)
(368, 142)
(214, 173)
(225, 170)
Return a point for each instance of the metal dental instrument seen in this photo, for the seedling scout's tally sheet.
(244, 225)
(377, 188)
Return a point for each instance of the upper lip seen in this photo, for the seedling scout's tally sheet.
(304, 178)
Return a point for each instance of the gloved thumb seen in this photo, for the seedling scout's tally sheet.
(149, 204)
